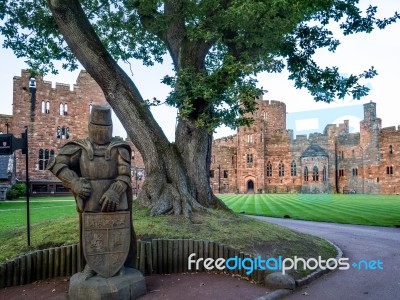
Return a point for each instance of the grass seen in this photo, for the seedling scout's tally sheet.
(13, 213)
(378, 210)
(242, 233)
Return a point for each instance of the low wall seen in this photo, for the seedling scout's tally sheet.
(159, 256)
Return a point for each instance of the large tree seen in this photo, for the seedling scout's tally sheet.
(217, 47)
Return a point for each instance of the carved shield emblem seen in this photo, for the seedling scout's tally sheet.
(106, 239)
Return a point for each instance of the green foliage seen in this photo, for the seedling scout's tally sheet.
(16, 191)
(217, 47)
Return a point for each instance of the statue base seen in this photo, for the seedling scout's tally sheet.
(129, 285)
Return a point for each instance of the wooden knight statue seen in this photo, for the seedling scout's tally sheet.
(98, 172)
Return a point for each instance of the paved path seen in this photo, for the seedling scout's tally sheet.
(357, 242)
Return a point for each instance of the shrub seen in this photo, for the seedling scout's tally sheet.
(16, 191)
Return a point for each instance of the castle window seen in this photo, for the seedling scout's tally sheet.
(65, 109)
(293, 169)
(324, 174)
(67, 133)
(44, 156)
(281, 169)
(389, 170)
(315, 175)
(226, 187)
(305, 174)
(355, 172)
(249, 158)
(341, 172)
(269, 169)
(211, 173)
(63, 132)
(390, 149)
(225, 173)
(58, 132)
(47, 111)
(250, 138)
(43, 107)
(61, 109)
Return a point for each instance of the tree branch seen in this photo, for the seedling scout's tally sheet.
(120, 92)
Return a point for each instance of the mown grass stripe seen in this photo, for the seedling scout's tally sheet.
(383, 210)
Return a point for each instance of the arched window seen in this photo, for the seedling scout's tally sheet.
(46, 154)
(390, 149)
(63, 133)
(269, 169)
(281, 169)
(293, 169)
(305, 174)
(58, 132)
(61, 109)
(315, 174)
(65, 109)
(41, 159)
(47, 107)
(43, 107)
(324, 174)
(389, 170)
(67, 133)
(51, 153)
(41, 154)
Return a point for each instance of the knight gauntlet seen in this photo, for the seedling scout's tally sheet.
(110, 200)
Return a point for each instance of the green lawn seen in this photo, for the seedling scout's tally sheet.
(379, 210)
(13, 213)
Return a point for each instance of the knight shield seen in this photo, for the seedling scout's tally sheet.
(105, 238)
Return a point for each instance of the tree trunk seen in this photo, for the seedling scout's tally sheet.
(177, 175)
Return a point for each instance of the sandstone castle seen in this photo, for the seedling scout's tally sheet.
(53, 117)
(262, 158)
(267, 158)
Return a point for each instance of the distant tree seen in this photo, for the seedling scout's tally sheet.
(217, 47)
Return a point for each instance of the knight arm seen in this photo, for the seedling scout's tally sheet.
(63, 165)
(110, 199)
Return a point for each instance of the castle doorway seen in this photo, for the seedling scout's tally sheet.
(250, 187)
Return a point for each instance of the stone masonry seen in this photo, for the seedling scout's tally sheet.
(266, 158)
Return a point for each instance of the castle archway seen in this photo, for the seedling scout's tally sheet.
(250, 186)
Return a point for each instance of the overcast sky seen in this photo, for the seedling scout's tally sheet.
(355, 54)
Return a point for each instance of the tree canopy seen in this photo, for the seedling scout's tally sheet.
(217, 49)
(226, 43)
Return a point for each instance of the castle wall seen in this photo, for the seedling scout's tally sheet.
(354, 162)
(58, 108)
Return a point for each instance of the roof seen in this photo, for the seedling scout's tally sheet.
(314, 150)
(4, 160)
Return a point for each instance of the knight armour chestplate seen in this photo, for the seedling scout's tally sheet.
(101, 173)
